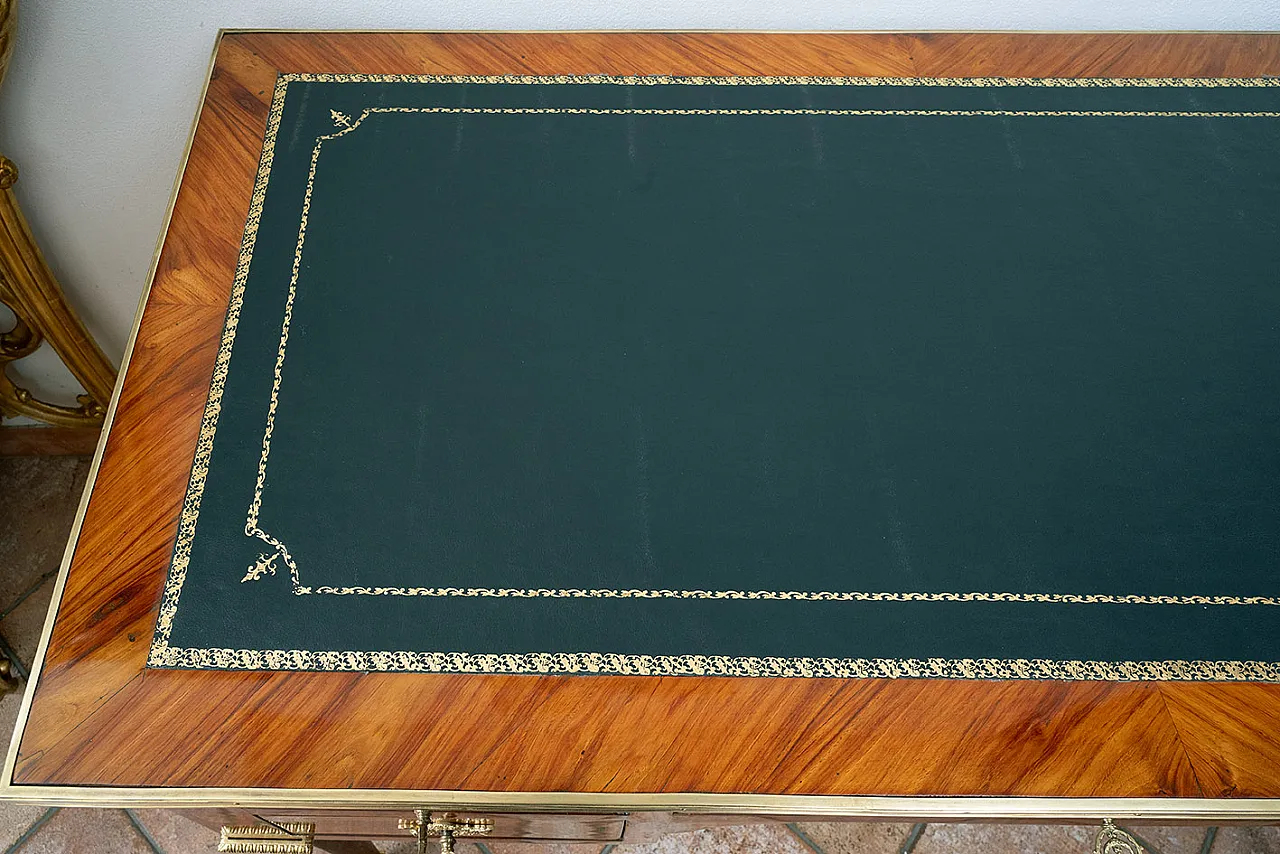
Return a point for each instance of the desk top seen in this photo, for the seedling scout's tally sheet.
(92, 726)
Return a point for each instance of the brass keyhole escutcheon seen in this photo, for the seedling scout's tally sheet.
(446, 826)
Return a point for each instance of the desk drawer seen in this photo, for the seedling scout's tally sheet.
(385, 824)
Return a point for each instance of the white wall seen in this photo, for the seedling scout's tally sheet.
(99, 98)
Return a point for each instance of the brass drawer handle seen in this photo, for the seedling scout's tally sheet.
(446, 826)
(283, 838)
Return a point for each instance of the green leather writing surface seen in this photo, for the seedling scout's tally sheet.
(747, 376)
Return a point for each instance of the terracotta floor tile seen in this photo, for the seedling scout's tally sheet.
(746, 839)
(22, 627)
(86, 831)
(856, 837)
(10, 702)
(14, 820)
(1247, 840)
(1172, 840)
(1010, 838)
(407, 846)
(176, 834)
(506, 847)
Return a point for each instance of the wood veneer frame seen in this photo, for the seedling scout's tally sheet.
(1232, 728)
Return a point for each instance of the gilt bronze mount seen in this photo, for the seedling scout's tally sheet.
(446, 827)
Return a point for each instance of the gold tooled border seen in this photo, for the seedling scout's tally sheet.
(267, 563)
(794, 595)
(209, 423)
(719, 665)
(162, 655)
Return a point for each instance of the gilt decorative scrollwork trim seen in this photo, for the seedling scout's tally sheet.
(345, 124)
(445, 827)
(284, 838)
(1113, 840)
(29, 289)
(8, 173)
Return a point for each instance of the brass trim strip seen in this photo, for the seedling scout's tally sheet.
(1064, 810)
(694, 31)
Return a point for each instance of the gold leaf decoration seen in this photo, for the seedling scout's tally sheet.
(264, 565)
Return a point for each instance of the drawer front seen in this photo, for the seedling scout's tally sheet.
(384, 824)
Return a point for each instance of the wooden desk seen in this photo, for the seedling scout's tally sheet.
(99, 728)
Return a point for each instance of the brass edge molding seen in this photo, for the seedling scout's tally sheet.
(37, 667)
(695, 31)
(919, 808)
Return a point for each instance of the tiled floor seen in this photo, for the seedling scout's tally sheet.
(38, 497)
